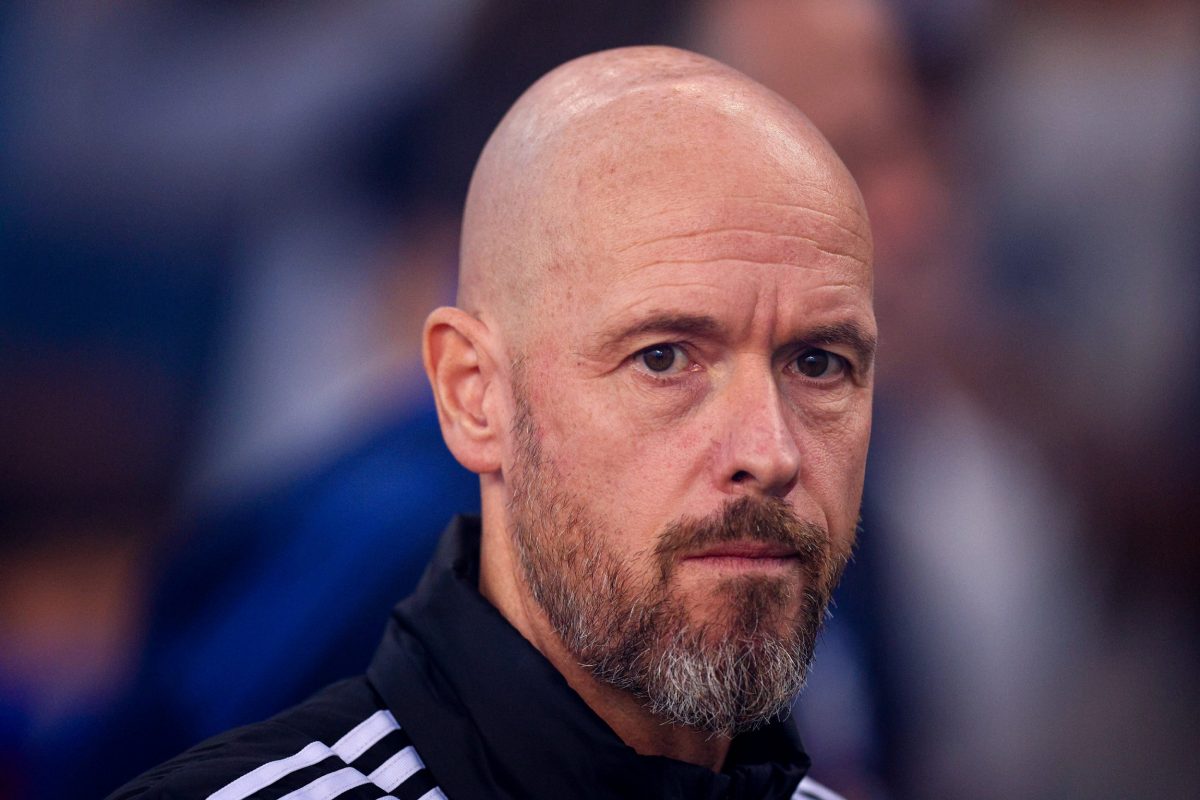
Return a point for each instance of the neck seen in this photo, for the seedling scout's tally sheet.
(647, 734)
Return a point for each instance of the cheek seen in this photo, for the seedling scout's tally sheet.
(835, 455)
(632, 460)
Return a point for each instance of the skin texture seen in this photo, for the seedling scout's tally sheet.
(642, 197)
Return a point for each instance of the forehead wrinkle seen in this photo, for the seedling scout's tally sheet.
(736, 229)
(642, 298)
(699, 198)
(714, 213)
(834, 219)
(723, 203)
(752, 263)
(858, 209)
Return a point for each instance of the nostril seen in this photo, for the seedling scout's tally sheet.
(740, 476)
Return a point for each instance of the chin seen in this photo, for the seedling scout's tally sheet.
(745, 606)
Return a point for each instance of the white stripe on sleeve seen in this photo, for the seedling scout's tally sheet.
(397, 769)
(359, 739)
(811, 790)
(328, 786)
(268, 773)
(365, 734)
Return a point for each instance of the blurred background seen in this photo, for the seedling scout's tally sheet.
(221, 227)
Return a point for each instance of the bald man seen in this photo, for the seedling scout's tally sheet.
(660, 367)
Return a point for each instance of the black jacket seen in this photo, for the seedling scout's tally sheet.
(457, 704)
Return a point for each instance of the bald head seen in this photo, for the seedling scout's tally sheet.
(599, 146)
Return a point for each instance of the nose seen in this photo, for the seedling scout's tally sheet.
(761, 453)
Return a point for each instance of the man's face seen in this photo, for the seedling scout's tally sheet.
(690, 436)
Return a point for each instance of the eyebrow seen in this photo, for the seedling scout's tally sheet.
(664, 323)
(847, 334)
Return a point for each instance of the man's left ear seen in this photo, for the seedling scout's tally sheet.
(461, 371)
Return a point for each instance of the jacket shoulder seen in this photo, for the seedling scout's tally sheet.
(318, 738)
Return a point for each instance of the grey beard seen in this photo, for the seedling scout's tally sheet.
(722, 678)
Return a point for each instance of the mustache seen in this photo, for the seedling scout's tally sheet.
(769, 520)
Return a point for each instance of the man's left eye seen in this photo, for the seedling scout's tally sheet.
(817, 363)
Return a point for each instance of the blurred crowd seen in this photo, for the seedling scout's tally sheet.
(222, 225)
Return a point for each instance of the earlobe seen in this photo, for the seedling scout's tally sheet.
(460, 369)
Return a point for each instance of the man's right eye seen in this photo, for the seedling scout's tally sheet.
(663, 359)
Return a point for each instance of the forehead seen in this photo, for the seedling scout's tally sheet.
(742, 223)
(697, 202)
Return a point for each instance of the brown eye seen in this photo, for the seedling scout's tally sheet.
(663, 358)
(817, 363)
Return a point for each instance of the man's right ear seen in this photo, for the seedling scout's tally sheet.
(462, 372)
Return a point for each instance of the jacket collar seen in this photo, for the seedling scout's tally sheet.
(492, 717)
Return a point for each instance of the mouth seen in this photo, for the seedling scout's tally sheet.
(744, 555)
